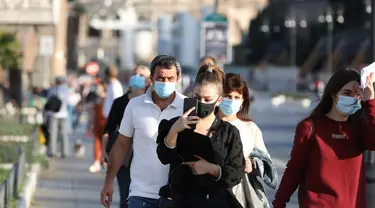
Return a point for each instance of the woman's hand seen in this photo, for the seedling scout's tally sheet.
(249, 166)
(104, 159)
(184, 121)
(368, 93)
(202, 167)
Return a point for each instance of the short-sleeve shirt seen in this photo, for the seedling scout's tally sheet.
(114, 91)
(141, 121)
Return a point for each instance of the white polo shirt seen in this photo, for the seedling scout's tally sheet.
(141, 122)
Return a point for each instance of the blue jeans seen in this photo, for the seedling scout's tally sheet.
(141, 202)
(123, 179)
(72, 116)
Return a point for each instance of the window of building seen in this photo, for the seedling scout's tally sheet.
(94, 32)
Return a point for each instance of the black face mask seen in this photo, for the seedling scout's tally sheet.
(205, 109)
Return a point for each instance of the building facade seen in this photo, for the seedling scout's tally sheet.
(31, 21)
(92, 43)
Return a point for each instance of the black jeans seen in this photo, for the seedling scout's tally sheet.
(165, 203)
(370, 185)
(123, 179)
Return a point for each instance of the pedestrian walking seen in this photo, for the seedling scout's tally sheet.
(114, 89)
(326, 160)
(139, 128)
(206, 161)
(57, 114)
(205, 60)
(235, 108)
(98, 124)
(139, 83)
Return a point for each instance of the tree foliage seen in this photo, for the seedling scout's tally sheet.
(10, 53)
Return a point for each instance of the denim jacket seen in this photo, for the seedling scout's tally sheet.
(263, 170)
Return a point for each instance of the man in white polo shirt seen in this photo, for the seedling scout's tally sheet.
(139, 126)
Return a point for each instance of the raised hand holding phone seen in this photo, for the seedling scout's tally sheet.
(184, 121)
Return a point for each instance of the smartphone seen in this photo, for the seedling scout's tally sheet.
(188, 104)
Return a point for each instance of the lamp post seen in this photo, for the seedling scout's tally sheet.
(330, 27)
(291, 23)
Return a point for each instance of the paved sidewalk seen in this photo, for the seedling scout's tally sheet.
(69, 184)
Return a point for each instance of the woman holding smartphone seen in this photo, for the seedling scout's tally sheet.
(207, 161)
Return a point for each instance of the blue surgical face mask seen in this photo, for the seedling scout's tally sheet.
(230, 107)
(348, 105)
(164, 89)
(137, 82)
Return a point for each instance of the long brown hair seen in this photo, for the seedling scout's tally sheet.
(235, 83)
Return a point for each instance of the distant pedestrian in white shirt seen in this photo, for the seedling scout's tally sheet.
(139, 126)
(114, 89)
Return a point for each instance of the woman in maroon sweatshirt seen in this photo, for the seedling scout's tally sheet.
(326, 159)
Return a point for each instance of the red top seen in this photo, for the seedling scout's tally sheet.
(329, 164)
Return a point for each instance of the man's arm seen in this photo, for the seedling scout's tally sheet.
(117, 156)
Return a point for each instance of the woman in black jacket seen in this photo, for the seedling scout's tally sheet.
(205, 162)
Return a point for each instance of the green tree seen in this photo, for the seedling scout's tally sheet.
(10, 53)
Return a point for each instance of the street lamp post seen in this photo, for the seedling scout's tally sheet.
(291, 23)
(330, 27)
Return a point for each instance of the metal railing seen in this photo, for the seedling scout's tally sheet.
(9, 187)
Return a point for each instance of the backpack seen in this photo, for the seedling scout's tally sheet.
(53, 103)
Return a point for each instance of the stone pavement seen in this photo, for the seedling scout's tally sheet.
(69, 184)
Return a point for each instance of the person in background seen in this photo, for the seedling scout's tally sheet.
(99, 122)
(139, 82)
(114, 89)
(139, 128)
(206, 162)
(58, 122)
(235, 109)
(73, 100)
(205, 60)
(326, 158)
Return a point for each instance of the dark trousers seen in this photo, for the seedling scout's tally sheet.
(370, 185)
(165, 203)
(123, 179)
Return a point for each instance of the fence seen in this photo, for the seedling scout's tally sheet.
(9, 187)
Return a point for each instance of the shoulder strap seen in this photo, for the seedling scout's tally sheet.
(214, 127)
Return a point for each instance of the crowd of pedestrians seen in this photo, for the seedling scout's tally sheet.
(213, 155)
(199, 148)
